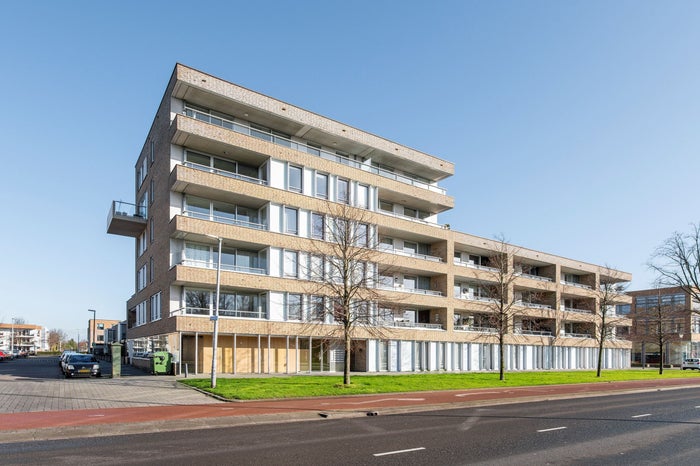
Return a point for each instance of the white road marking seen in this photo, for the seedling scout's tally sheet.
(697, 407)
(398, 451)
(553, 428)
(471, 394)
(376, 401)
(640, 415)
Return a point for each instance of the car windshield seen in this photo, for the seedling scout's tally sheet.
(82, 358)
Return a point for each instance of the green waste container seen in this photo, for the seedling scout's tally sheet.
(162, 361)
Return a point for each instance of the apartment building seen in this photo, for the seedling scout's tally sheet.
(222, 161)
(96, 330)
(679, 317)
(23, 337)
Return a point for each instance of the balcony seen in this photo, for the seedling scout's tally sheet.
(228, 174)
(227, 220)
(577, 285)
(471, 328)
(534, 277)
(533, 305)
(538, 333)
(577, 335)
(573, 309)
(206, 312)
(126, 219)
(403, 252)
(409, 324)
(402, 289)
(472, 265)
(283, 141)
(224, 267)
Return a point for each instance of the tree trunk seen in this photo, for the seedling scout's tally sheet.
(600, 357)
(501, 361)
(346, 352)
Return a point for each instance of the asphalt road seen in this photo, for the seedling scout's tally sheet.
(645, 428)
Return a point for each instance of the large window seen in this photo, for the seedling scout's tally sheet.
(343, 194)
(222, 212)
(291, 264)
(293, 305)
(291, 221)
(318, 226)
(321, 186)
(317, 308)
(141, 278)
(230, 168)
(363, 196)
(155, 307)
(295, 178)
(240, 260)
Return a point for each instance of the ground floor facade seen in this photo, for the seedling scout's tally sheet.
(286, 354)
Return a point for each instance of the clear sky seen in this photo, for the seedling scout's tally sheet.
(573, 125)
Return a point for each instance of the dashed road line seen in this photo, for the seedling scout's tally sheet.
(552, 429)
(640, 415)
(396, 452)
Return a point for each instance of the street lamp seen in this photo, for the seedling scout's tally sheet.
(215, 317)
(92, 338)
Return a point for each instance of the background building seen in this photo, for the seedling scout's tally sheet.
(680, 324)
(221, 161)
(23, 337)
(96, 334)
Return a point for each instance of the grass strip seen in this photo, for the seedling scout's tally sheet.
(298, 386)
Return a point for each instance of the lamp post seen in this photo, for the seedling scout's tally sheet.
(92, 339)
(215, 317)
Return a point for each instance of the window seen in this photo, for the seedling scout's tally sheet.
(293, 305)
(291, 264)
(141, 279)
(197, 301)
(141, 172)
(386, 206)
(100, 326)
(151, 271)
(150, 191)
(318, 226)
(361, 234)
(294, 181)
(363, 196)
(291, 224)
(155, 307)
(317, 309)
(141, 313)
(317, 268)
(321, 185)
(141, 244)
(153, 151)
(343, 194)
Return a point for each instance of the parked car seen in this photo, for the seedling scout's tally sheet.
(3, 356)
(81, 365)
(691, 363)
(63, 356)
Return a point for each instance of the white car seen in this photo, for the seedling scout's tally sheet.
(691, 363)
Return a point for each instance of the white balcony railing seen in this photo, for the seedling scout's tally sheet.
(206, 312)
(533, 305)
(577, 335)
(226, 267)
(534, 277)
(472, 265)
(227, 220)
(577, 285)
(403, 252)
(471, 328)
(408, 324)
(409, 290)
(228, 174)
(542, 333)
(573, 309)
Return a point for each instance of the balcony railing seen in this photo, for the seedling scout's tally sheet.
(227, 220)
(577, 285)
(226, 267)
(471, 328)
(409, 290)
(534, 277)
(206, 312)
(472, 265)
(407, 324)
(228, 174)
(282, 141)
(405, 217)
(542, 333)
(577, 335)
(533, 305)
(126, 219)
(402, 252)
(483, 299)
(573, 309)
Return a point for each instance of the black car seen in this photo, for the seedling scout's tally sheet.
(81, 365)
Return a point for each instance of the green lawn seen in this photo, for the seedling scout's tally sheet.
(308, 385)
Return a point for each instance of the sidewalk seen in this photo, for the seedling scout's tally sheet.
(48, 425)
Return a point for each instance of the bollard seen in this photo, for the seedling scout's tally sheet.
(186, 370)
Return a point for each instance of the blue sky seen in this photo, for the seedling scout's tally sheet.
(573, 125)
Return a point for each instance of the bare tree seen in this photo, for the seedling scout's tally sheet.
(341, 273)
(609, 293)
(56, 338)
(501, 297)
(677, 262)
(659, 322)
